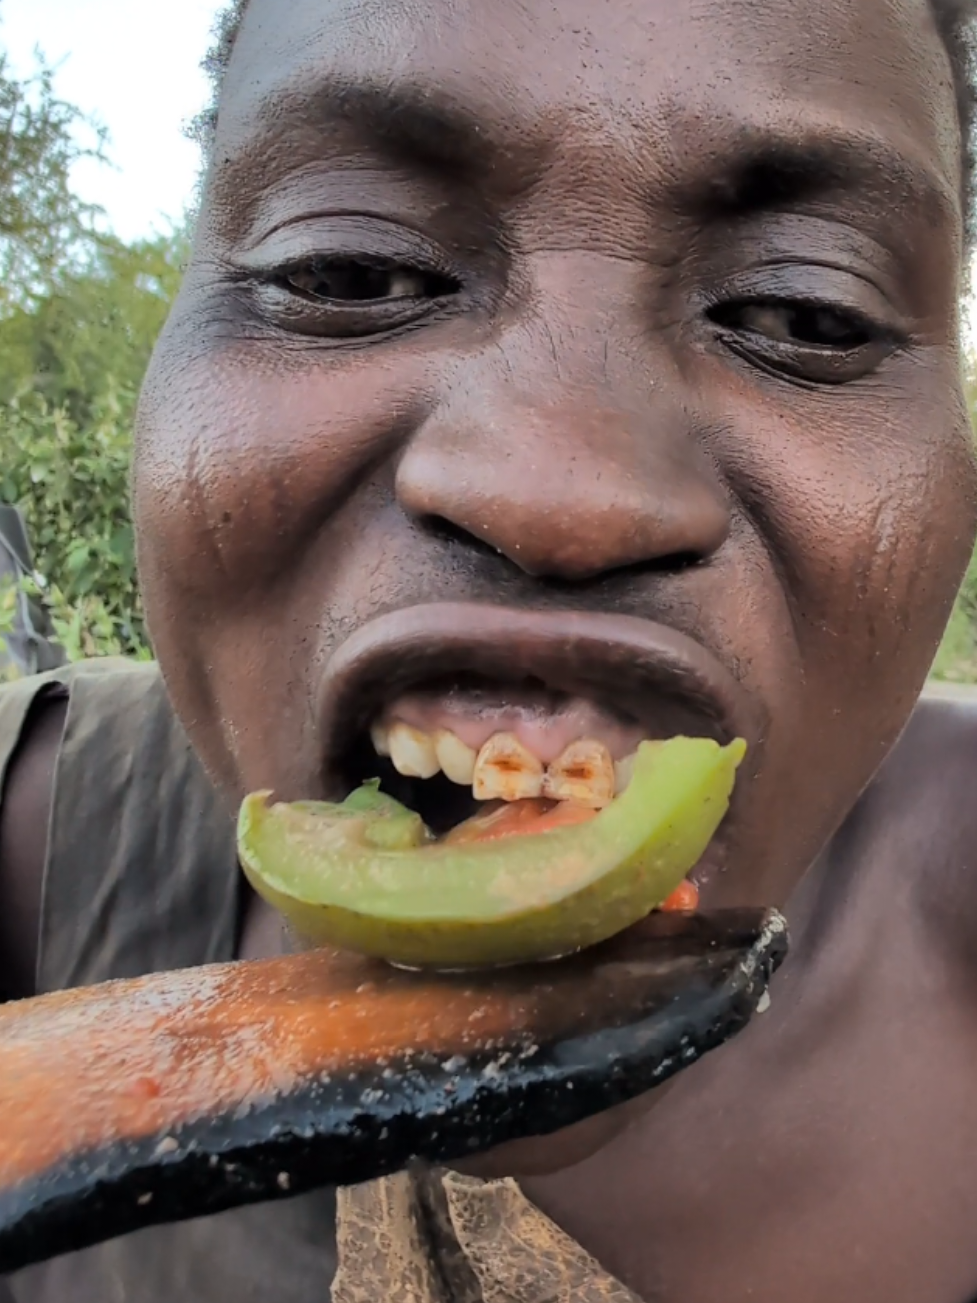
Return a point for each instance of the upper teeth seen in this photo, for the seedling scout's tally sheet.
(504, 769)
(583, 773)
(412, 752)
(380, 739)
(456, 758)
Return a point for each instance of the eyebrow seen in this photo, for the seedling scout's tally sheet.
(409, 121)
(765, 168)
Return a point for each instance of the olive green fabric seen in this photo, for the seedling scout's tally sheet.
(141, 873)
(141, 876)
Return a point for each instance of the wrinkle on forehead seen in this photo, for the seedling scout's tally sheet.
(667, 79)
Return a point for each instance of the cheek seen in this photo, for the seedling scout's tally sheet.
(866, 511)
(240, 476)
(237, 465)
(866, 499)
(879, 537)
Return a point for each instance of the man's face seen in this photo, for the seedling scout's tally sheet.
(629, 324)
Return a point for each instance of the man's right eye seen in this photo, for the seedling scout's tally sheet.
(344, 281)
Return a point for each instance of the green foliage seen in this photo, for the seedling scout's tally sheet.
(84, 628)
(8, 613)
(70, 369)
(71, 482)
(79, 315)
(93, 334)
(956, 661)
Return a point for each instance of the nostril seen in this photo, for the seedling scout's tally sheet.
(446, 531)
(665, 564)
(615, 579)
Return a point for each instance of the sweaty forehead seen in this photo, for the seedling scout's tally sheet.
(682, 75)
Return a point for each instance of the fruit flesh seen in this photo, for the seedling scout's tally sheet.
(512, 818)
(365, 875)
(506, 819)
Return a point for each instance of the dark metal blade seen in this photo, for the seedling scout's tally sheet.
(182, 1094)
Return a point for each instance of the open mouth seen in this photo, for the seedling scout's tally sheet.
(512, 787)
(457, 708)
(458, 745)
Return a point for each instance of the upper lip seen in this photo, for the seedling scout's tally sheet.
(623, 659)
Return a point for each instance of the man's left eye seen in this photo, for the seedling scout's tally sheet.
(801, 324)
(341, 280)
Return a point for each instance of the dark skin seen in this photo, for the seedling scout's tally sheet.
(669, 331)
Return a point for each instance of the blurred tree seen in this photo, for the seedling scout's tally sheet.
(44, 226)
(79, 315)
(93, 332)
(70, 370)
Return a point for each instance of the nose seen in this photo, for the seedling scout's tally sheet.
(567, 480)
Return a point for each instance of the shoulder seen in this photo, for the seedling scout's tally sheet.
(934, 763)
(100, 700)
(105, 705)
(913, 834)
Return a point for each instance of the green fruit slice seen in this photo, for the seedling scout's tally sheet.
(365, 874)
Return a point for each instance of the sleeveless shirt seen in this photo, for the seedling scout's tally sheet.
(141, 876)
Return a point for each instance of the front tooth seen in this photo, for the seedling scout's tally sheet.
(456, 758)
(583, 773)
(380, 738)
(506, 771)
(623, 773)
(412, 751)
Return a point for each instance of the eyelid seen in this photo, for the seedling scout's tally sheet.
(813, 284)
(373, 262)
(796, 241)
(342, 236)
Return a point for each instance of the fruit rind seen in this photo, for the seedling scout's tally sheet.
(521, 899)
